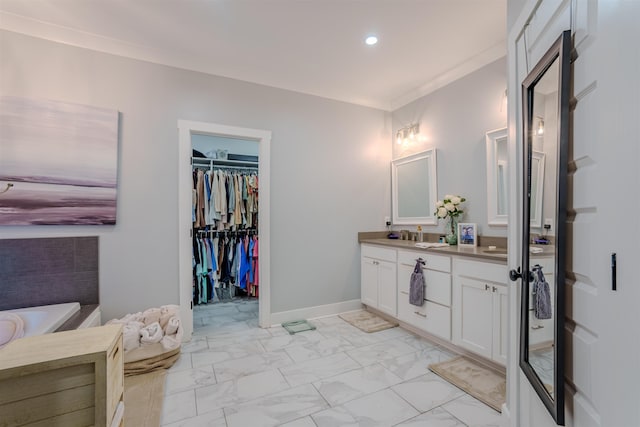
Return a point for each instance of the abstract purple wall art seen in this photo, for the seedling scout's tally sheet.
(58, 163)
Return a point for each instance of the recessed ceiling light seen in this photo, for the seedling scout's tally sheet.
(371, 40)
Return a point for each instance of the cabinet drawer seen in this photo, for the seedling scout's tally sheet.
(483, 270)
(438, 285)
(378, 253)
(433, 262)
(431, 317)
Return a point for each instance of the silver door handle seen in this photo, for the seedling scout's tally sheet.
(420, 314)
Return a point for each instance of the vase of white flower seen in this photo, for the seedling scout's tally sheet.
(450, 209)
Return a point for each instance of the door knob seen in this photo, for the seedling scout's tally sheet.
(514, 275)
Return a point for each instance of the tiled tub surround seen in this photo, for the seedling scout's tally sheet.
(44, 271)
(233, 373)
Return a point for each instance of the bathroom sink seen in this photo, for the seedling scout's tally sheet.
(498, 251)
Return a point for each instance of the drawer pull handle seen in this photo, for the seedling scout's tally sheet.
(420, 314)
(486, 287)
(494, 289)
(404, 292)
(537, 327)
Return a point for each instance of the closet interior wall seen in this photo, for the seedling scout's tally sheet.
(225, 228)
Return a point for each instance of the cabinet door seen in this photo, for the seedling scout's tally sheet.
(387, 287)
(476, 316)
(500, 315)
(369, 282)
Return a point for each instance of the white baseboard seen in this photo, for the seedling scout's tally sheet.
(317, 311)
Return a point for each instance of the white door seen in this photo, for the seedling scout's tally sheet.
(476, 313)
(387, 292)
(369, 281)
(602, 368)
(500, 322)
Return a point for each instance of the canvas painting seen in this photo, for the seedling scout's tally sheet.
(58, 163)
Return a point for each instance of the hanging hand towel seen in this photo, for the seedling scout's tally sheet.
(542, 295)
(416, 285)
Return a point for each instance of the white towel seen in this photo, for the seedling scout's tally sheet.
(172, 326)
(11, 328)
(425, 245)
(135, 317)
(131, 335)
(173, 341)
(151, 334)
(151, 315)
(166, 313)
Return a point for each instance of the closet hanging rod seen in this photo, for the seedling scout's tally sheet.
(219, 162)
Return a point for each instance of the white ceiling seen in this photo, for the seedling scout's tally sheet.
(310, 46)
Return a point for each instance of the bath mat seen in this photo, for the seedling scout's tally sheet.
(143, 397)
(480, 382)
(367, 321)
(296, 326)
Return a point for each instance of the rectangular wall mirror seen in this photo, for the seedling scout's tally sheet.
(545, 94)
(414, 188)
(497, 172)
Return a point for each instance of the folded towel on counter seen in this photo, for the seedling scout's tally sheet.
(425, 245)
(151, 334)
(11, 328)
(131, 335)
(172, 326)
(535, 249)
(151, 315)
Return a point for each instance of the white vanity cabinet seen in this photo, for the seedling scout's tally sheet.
(434, 316)
(480, 308)
(378, 278)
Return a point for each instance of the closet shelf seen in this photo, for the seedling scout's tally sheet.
(203, 161)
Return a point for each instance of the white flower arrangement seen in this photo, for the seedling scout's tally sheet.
(449, 206)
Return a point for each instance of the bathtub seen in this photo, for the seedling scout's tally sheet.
(46, 318)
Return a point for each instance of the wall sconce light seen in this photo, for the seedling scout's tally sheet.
(540, 130)
(407, 133)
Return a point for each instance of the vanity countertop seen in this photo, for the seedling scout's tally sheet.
(472, 252)
(483, 252)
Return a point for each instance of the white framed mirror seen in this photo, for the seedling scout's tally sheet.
(414, 189)
(497, 173)
(537, 184)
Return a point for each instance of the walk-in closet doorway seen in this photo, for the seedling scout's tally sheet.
(186, 130)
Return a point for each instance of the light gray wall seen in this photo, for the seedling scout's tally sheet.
(329, 171)
(454, 120)
(514, 8)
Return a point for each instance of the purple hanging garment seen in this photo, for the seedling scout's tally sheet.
(416, 285)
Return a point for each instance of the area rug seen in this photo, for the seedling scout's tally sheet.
(367, 321)
(143, 397)
(480, 382)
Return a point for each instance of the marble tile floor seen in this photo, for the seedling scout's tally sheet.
(235, 374)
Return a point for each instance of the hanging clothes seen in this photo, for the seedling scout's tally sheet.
(225, 220)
